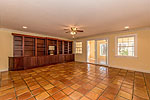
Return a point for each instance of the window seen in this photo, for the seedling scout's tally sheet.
(78, 47)
(126, 45)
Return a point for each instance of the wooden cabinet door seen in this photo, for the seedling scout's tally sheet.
(30, 62)
(61, 58)
(41, 60)
(16, 63)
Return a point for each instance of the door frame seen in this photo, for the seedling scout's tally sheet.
(107, 60)
(87, 51)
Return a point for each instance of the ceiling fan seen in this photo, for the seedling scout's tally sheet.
(73, 31)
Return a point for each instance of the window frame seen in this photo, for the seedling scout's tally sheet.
(79, 47)
(124, 36)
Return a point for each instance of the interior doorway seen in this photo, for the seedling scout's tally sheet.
(97, 51)
(91, 51)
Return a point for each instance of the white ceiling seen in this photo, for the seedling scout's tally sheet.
(94, 16)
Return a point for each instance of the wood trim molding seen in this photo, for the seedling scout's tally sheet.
(68, 47)
(46, 42)
(22, 45)
(38, 37)
(63, 47)
(57, 48)
(35, 46)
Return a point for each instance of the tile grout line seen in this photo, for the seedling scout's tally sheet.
(42, 86)
(64, 88)
(39, 85)
(114, 79)
(133, 86)
(121, 84)
(146, 86)
(50, 77)
(101, 94)
(69, 86)
(107, 87)
(89, 91)
(98, 87)
(72, 88)
(27, 86)
(14, 89)
(60, 89)
(0, 78)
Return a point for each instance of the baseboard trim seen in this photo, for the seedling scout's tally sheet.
(127, 68)
(3, 70)
(93, 63)
(121, 67)
(81, 61)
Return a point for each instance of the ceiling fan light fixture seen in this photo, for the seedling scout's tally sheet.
(24, 27)
(126, 27)
(73, 33)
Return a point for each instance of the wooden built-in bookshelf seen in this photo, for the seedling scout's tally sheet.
(34, 51)
(25, 45)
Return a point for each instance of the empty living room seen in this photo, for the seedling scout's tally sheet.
(74, 50)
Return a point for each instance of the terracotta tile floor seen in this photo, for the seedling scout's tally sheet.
(74, 81)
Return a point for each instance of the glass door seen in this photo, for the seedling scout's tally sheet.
(97, 51)
(91, 51)
(102, 52)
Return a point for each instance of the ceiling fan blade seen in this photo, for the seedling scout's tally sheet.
(66, 29)
(80, 31)
(72, 29)
(67, 32)
(63, 25)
